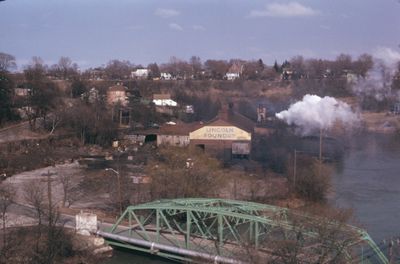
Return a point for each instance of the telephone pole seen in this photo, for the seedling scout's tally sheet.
(49, 193)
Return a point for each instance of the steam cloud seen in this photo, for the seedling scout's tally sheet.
(314, 112)
(378, 82)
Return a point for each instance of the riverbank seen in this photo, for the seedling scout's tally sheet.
(23, 244)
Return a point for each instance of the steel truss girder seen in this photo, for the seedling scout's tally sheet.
(184, 222)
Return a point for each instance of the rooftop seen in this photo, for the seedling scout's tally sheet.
(161, 96)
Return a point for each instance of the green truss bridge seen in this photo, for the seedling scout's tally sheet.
(229, 231)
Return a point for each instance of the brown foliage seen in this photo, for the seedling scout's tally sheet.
(184, 172)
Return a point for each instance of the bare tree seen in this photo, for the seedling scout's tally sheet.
(217, 68)
(7, 195)
(312, 180)
(70, 189)
(154, 70)
(50, 235)
(7, 62)
(35, 196)
(195, 63)
(316, 235)
(66, 67)
(183, 172)
(42, 98)
(118, 70)
(363, 64)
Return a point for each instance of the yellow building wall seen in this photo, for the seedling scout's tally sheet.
(219, 133)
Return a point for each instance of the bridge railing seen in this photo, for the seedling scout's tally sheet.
(238, 231)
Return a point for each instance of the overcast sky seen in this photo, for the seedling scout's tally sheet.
(92, 32)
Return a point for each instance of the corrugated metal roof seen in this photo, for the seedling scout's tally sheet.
(180, 128)
(228, 117)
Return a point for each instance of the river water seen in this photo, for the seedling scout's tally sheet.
(367, 180)
(369, 183)
(125, 257)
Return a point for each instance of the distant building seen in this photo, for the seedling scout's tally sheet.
(261, 114)
(22, 92)
(117, 94)
(175, 135)
(230, 76)
(227, 135)
(166, 76)
(351, 77)
(395, 109)
(96, 74)
(189, 109)
(140, 74)
(287, 74)
(234, 71)
(164, 100)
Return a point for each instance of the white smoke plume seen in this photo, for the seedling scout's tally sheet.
(387, 55)
(314, 113)
(378, 82)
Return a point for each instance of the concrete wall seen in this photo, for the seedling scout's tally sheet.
(173, 140)
(86, 223)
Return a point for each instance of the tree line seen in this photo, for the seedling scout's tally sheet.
(195, 68)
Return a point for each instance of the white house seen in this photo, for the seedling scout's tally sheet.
(166, 76)
(230, 76)
(140, 73)
(163, 100)
(234, 71)
(22, 92)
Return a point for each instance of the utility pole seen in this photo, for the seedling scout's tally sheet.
(320, 152)
(119, 188)
(294, 168)
(320, 144)
(49, 193)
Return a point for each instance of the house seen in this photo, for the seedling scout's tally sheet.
(287, 74)
(175, 135)
(166, 76)
(117, 94)
(234, 71)
(164, 100)
(95, 74)
(351, 77)
(140, 74)
(230, 76)
(395, 109)
(189, 109)
(22, 92)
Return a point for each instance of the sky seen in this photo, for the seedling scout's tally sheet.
(93, 32)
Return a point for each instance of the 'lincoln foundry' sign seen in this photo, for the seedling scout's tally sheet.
(220, 133)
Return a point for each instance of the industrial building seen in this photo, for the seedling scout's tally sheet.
(226, 136)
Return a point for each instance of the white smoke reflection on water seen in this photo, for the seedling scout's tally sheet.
(314, 113)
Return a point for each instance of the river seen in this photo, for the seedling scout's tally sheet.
(367, 180)
(125, 257)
